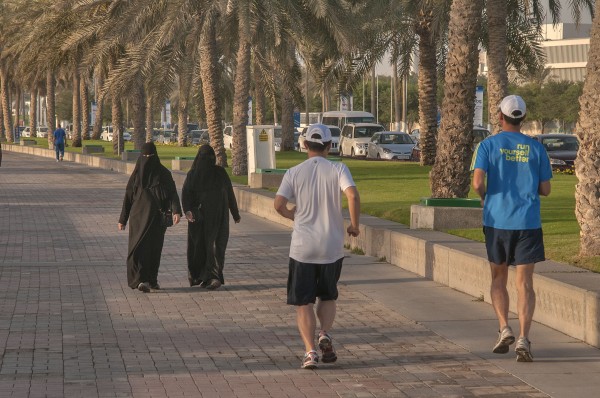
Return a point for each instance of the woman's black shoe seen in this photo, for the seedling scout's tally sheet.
(214, 284)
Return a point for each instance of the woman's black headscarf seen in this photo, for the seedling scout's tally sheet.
(147, 167)
(203, 168)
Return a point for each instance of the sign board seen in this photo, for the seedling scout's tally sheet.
(249, 111)
(261, 147)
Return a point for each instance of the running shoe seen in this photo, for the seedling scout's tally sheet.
(328, 354)
(505, 339)
(310, 361)
(523, 350)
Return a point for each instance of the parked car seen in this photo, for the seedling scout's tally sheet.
(127, 136)
(167, 136)
(335, 139)
(190, 127)
(479, 134)
(277, 142)
(199, 137)
(41, 132)
(228, 137)
(107, 133)
(561, 148)
(355, 138)
(390, 145)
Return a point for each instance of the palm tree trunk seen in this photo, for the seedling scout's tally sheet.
(18, 108)
(240, 100)
(85, 109)
(76, 109)
(50, 106)
(259, 96)
(2, 135)
(210, 87)
(450, 176)
(182, 108)
(496, 57)
(97, 131)
(287, 120)
(287, 107)
(587, 189)
(117, 123)
(138, 102)
(427, 88)
(149, 119)
(6, 111)
(33, 112)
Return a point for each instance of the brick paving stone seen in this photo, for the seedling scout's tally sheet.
(70, 326)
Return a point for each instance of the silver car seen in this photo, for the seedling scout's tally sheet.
(390, 145)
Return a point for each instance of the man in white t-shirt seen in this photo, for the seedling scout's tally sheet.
(317, 247)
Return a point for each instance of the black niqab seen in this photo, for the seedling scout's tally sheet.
(147, 167)
(203, 171)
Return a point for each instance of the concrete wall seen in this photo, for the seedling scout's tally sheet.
(568, 298)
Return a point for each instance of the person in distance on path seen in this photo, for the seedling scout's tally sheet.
(317, 246)
(518, 171)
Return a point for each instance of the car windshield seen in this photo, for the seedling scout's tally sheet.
(561, 144)
(361, 119)
(366, 132)
(335, 132)
(395, 139)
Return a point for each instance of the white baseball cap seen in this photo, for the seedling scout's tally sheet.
(318, 133)
(513, 106)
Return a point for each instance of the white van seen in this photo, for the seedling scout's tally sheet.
(341, 118)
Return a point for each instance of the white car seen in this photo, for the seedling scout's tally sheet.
(42, 132)
(335, 140)
(390, 145)
(355, 138)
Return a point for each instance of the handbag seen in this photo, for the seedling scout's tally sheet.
(165, 217)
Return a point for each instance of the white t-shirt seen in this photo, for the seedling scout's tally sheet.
(316, 186)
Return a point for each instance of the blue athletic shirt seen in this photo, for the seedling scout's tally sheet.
(59, 136)
(515, 164)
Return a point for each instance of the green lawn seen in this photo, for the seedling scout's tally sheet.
(388, 189)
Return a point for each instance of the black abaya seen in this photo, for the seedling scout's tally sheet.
(209, 185)
(150, 185)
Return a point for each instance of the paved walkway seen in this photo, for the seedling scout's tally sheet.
(70, 326)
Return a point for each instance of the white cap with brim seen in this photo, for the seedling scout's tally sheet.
(513, 106)
(318, 133)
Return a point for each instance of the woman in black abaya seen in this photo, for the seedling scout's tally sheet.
(207, 199)
(150, 190)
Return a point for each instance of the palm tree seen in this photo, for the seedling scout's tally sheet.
(210, 83)
(4, 98)
(497, 75)
(50, 106)
(450, 176)
(588, 157)
(33, 97)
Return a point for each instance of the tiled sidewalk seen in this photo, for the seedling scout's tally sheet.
(70, 326)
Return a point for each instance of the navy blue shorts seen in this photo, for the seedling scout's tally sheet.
(524, 246)
(307, 281)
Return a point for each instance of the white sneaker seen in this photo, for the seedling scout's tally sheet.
(505, 339)
(523, 350)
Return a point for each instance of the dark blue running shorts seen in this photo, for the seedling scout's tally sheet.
(513, 247)
(307, 281)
